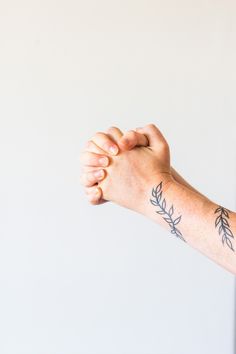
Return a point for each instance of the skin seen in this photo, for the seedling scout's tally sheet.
(106, 145)
(133, 170)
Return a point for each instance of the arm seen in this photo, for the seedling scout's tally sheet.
(201, 223)
(109, 144)
(142, 180)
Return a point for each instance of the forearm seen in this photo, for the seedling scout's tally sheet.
(178, 178)
(196, 220)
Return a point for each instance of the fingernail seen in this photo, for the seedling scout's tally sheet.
(103, 161)
(99, 174)
(113, 150)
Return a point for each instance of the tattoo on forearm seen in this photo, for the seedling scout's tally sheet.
(168, 215)
(223, 226)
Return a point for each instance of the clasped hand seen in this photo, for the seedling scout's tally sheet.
(124, 167)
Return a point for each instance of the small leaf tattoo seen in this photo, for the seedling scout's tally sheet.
(223, 226)
(167, 215)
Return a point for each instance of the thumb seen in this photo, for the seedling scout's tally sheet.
(132, 139)
(154, 136)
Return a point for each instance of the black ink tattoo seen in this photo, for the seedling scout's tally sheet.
(167, 215)
(222, 223)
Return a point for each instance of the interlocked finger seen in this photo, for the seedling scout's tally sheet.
(89, 179)
(93, 160)
(94, 195)
(131, 139)
(104, 142)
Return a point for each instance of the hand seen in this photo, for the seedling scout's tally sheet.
(135, 169)
(96, 157)
(132, 174)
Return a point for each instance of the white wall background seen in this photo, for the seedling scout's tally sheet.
(103, 280)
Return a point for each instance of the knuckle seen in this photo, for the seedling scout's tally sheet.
(112, 129)
(97, 135)
(132, 136)
(151, 126)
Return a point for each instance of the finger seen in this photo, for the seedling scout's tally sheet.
(91, 159)
(131, 139)
(86, 169)
(153, 134)
(115, 134)
(92, 147)
(89, 179)
(105, 142)
(94, 195)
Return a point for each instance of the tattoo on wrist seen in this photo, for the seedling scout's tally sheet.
(167, 215)
(223, 226)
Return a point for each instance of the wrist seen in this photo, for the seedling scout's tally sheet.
(165, 178)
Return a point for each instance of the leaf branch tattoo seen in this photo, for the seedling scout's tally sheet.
(222, 223)
(167, 214)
